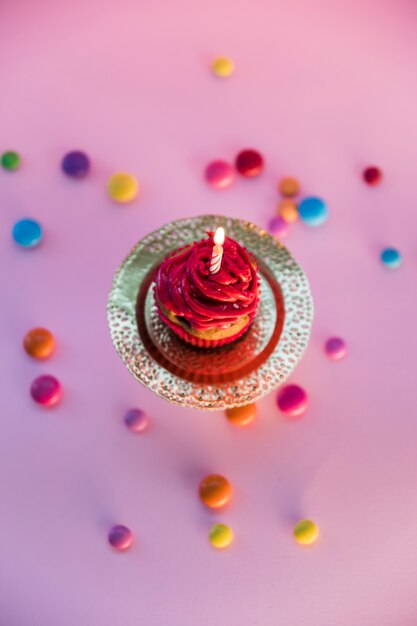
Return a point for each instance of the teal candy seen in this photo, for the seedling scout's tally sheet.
(27, 233)
(313, 211)
(391, 258)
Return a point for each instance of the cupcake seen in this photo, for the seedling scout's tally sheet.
(208, 293)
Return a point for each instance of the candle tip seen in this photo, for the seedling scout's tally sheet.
(219, 236)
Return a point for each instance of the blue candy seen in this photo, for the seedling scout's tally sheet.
(313, 211)
(27, 233)
(391, 258)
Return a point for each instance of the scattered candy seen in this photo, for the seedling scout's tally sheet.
(221, 536)
(120, 537)
(249, 163)
(46, 390)
(278, 227)
(215, 491)
(306, 532)
(219, 174)
(10, 160)
(289, 186)
(122, 187)
(335, 348)
(76, 164)
(313, 211)
(241, 415)
(372, 175)
(223, 67)
(27, 233)
(39, 343)
(287, 209)
(292, 400)
(391, 258)
(136, 420)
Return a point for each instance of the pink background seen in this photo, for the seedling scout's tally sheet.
(321, 89)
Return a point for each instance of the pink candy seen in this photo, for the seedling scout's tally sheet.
(136, 420)
(219, 174)
(292, 400)
(278, 227)
(120, 537)
(46, 390)
(335, 348)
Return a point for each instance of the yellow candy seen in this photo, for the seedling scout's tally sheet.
(223, 67)
(221, 536)
(287, 209)
(306, 532)
(122, 187)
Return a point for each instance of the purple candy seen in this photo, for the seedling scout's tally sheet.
(278, 227)
(76, 164)
(136, 420)
(46, 390)
(120, 537)
(335, 348)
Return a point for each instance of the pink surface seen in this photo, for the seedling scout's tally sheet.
(321, 89)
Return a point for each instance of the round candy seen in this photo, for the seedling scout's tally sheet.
(391, 258)
(278, 227)
(39, 343)
(335, 348)
(215, 491)
(120, 537)
(287, 209)
(292, 400)
(10, 160)
(241, 415)
(223, 67)
(76, 164)
(313, 211)
(219, 174)
(221, 536)
(136, 420)
(289, 186)
(46, 390)
(249, 163)
(372, 175)
(306, 532)
(122, 187)
(27, 233)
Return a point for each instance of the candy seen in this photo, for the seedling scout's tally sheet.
(221, 536)
(122, 187)
(223, 67)
(46, 390)
(136, 420)
(27, 233)
(219, 174)
(120, 537)
(249, 163)
(289, 186)
(292, 400)
(335, 348)
(241, 415)
(76, 164)
(372, 175)
(278, 227)
(215, 491)
(10, 160)
(306, 532)
(313, 211)
(287, 209)
(39, 343)
(391, 258)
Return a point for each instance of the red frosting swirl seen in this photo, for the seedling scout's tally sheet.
(185, 286)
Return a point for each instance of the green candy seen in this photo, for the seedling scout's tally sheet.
(10, 160)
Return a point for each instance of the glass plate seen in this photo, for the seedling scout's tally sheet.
(217, 378)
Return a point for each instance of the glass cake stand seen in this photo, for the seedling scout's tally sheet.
(216, 378)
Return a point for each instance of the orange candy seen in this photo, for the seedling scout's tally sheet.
(289, 186)
(39, 343)
(215, 491)
(288, 210)
(241, 415)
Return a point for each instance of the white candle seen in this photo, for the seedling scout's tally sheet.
(216, 257)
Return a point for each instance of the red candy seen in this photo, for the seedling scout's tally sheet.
(372, 175)
(292, 400)
(249, 163)
(46, 390)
